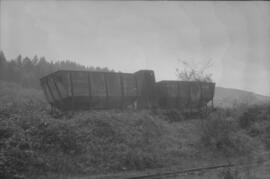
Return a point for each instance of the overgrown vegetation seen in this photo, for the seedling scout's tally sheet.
(34, 143)
(222, 134)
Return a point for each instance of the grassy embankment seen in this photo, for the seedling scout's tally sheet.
(34, 143)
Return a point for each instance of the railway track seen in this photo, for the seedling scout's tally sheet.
(258, 164)
(172, 174)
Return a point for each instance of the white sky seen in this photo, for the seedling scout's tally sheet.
(129, 36)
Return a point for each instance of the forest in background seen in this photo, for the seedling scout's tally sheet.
(27, 71)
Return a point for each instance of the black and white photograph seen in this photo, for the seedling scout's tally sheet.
(134, 89)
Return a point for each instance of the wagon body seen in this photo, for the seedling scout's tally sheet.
(68, 90)
(184, 94)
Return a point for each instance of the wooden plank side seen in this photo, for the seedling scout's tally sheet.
(161, 94)
(195, 93)
(46, 91)
(80, 83)
(113, 84)
(70, 76)
(129, 85)
(89, 88)
(57, 89)
(183, 93)
(63, 83)
(212, 87)
(170, 94)
(172, 89)
(53, 90)
(98, 84)
(206, 92)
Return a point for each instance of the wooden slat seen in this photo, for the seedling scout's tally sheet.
(80, 83)
(106, 88)
(90, 89)
(72, 93)
(129, 85)
(57, 89)
(136, 84)
(98, 84)
(53, 97)
(201, 95)
(178, 101)
(137, 93)
(189, 98)
(114, 84)
(122, 90)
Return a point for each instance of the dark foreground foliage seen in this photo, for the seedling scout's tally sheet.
(34, 143)
(223, 135)
(92, 142)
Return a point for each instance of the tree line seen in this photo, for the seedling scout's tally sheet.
(27, 71)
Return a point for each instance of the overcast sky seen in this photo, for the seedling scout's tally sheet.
(129, 36)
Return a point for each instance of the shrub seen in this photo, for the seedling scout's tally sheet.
(87, 142)
(172, 115)
(221, 134)
(17, 153)
(253, 114)
(33, 142)
(266, 137)
(256, 122)
(122, 140)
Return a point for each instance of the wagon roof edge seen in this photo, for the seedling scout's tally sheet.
(183, 81)
(92, 71)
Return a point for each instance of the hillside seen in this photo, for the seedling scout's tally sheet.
(227, 97)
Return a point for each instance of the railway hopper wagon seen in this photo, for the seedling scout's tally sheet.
(185, 95)
(71, 90)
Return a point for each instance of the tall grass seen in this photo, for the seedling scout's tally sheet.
(35, 143)
(223, 135)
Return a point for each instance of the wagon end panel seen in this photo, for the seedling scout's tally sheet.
(51, 90)
(129, 90)
(145, 80)
(45, 89)
(208, 90)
